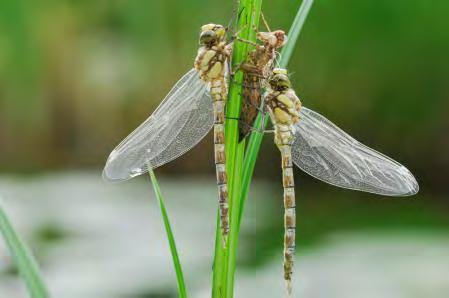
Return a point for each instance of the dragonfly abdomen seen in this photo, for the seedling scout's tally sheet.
(289, 213)
(210, 63)
(218, 93)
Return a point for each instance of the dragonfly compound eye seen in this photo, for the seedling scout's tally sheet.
(280, 81)
(207, 37)
(220, 31)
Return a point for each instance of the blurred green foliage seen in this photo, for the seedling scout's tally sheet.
(77, 76)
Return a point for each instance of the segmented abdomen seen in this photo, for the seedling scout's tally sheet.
(218, 92)
(289, 213)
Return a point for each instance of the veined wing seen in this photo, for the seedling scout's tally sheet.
(324, 151)
(182, 119)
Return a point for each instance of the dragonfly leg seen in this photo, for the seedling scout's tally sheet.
(236, 34)
(264, 21)
(252, 128)
(234, 70)
(246, 68)
(247, 41)
(261, 130)
(243, 85)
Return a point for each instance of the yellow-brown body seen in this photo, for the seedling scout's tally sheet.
(211, 64)
(284, 106)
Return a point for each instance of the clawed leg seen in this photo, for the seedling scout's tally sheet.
(233, 71)
(243, 85)
(235, 36)
(253, 27)
(264, 21)
(247, 41)
(260, 130)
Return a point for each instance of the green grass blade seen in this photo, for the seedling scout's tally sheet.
(224, 259)
(256, 137)
(23, 258)
(218, 272)
(249, 18)
(233, 231)
(171, 239)
(295, 30)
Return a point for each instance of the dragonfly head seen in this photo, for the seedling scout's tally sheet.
(212, 34)
(275, 39)
(279, 80)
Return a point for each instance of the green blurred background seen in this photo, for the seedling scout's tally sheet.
(77, 76)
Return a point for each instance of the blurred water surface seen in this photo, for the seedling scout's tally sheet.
(97, 240)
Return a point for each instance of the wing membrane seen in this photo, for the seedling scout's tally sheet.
(182, 119)
(324, 151)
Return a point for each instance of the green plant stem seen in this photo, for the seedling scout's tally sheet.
(171, 239)
(219, 259)
(249, 18)
(23, 258)
(225, 258)
(256, 137)
(240, 167)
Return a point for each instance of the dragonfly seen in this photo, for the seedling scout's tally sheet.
(195, 104)
(256, 68)
(321, 149)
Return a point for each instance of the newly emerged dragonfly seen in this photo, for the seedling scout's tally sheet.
(185, 116)
(323, 150)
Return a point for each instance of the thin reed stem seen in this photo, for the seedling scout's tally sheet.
(225, 258)
(182, 292)
(23, 258)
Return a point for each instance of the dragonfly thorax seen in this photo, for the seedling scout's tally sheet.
(283, 106)
(212, 55)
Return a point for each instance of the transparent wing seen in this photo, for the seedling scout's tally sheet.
(324, 151)
(183, 118)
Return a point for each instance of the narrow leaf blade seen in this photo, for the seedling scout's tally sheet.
(171, 239)
(23, 258)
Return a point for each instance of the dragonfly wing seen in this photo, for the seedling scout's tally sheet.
(182, 119)
(326, 152)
